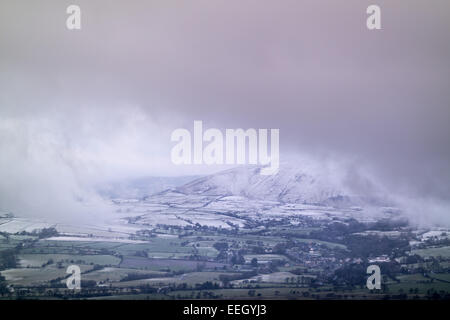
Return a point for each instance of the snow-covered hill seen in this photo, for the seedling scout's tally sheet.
(244, 198)
(303, 185)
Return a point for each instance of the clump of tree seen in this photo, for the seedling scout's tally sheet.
(227, 278)
(208, 285)
(415, 258)
(141, 253)
(365, 246)
(220, 246)
(388, 224)
(350, 275)
(88, 283)
(337, 231)
(3, 286)
(257, 249)
(299, 271)
(237, 258)
(280, 248)
(49, 262)
(8, 259)
(46, 233)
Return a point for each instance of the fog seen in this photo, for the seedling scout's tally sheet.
(78, 108)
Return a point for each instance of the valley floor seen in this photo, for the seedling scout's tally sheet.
(312, 253)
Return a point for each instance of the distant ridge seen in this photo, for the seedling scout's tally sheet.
(289, 185)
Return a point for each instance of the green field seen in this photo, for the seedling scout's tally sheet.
(433, 252)
(37, 260)
(37, 276)
(330, 245)
(112, 274)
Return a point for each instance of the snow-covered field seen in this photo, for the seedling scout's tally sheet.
(238, 197)
(14, 225)
(174, 208)
(88, 239)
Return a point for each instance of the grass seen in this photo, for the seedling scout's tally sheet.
(191, 279)
(330, 245)
(37, 260)
(156, 245)
(265, 293)
(433, 252)
(423, 284)
(441, 276)
(264, 257)
(37, 276)
(116, 274)
(172, 264)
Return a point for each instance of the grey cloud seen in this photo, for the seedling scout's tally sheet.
(379, 100)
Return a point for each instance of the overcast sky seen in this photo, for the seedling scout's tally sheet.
(81, 107)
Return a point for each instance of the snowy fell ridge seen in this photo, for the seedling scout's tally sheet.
(305, 185)
(242, 197)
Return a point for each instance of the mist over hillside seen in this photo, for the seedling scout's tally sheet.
(141, 187)
(292, 184)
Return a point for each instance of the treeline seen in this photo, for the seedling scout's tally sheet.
(41, 233)
(372, 245)
(355, 274)
(336, 232)
(364, 245)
